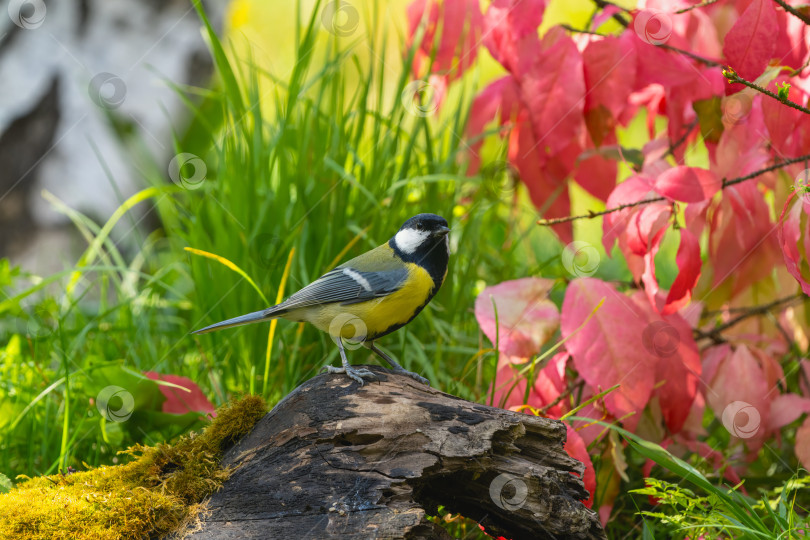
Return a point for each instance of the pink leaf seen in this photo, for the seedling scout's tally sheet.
(544, 178)
(498, 100)
(689, 264)
(610, 71)
(669, 339)
(687, 184)
(788, 128)
(552, 88)
(575, 447)
(738, 394)
(608, 349)
(803, 444)
(751, 42)
(526, 317)
(179, 401)
(460, 25)
(634, 189)
(789, 235)
(507, 23)
(785, 408)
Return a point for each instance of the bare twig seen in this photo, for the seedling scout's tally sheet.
(674, 146)
(690, 8)
(726, 183)
(732, 77)
(793, 11)
(602, 4)
(774, 167)
(691, 55)
(714, 334)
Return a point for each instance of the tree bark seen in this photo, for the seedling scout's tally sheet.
(336, 459)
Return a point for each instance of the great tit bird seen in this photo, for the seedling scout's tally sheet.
(371, 295)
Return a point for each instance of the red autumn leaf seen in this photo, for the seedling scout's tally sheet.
(509, 22)
(750, 43)
(459, 24)
(738, 392)
(786, 408)
(575, 447)
(634, 189)
(678, 368)
(526, 317)
(790, 233)
(545, 179)
(741, 237)
(609, 65)
(689, 265)
(552, 88)
(791, 45)
(789, 129)
(802, 448)
(608, 349)
(181, 401)
(499, 100)
(550, 382)
(687, 184)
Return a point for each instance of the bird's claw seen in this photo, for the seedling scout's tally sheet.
(356, 374)
(412, 375)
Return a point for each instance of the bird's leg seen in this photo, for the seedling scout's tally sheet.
(357, 374)
(395, 366)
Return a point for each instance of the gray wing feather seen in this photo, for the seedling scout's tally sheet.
(338, 287)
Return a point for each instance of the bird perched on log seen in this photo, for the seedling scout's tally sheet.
(371, 295)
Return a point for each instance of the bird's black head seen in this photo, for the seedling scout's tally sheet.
(423, 240)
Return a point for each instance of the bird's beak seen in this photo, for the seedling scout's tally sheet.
(441, 231)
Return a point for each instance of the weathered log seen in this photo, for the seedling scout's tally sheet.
(337, 459)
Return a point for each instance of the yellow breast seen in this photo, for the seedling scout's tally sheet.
(372, 318)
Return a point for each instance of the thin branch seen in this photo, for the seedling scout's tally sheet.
(674, 146)
(793, 11)
(702, 4)
(714, 334)
(602, 4)
(591, 214)
(726, 183)
(580, 31)
(774, 167)
(691, 55)
(732, 77)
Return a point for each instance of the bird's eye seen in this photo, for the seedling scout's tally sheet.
(419, 226)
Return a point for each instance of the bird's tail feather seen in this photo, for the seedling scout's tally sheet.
(256, 316)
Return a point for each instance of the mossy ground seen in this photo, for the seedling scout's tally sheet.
(155, 494)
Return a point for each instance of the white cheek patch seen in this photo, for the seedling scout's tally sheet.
(408, 240)
(358, 278)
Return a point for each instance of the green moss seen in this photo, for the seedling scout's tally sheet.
(156, 493)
